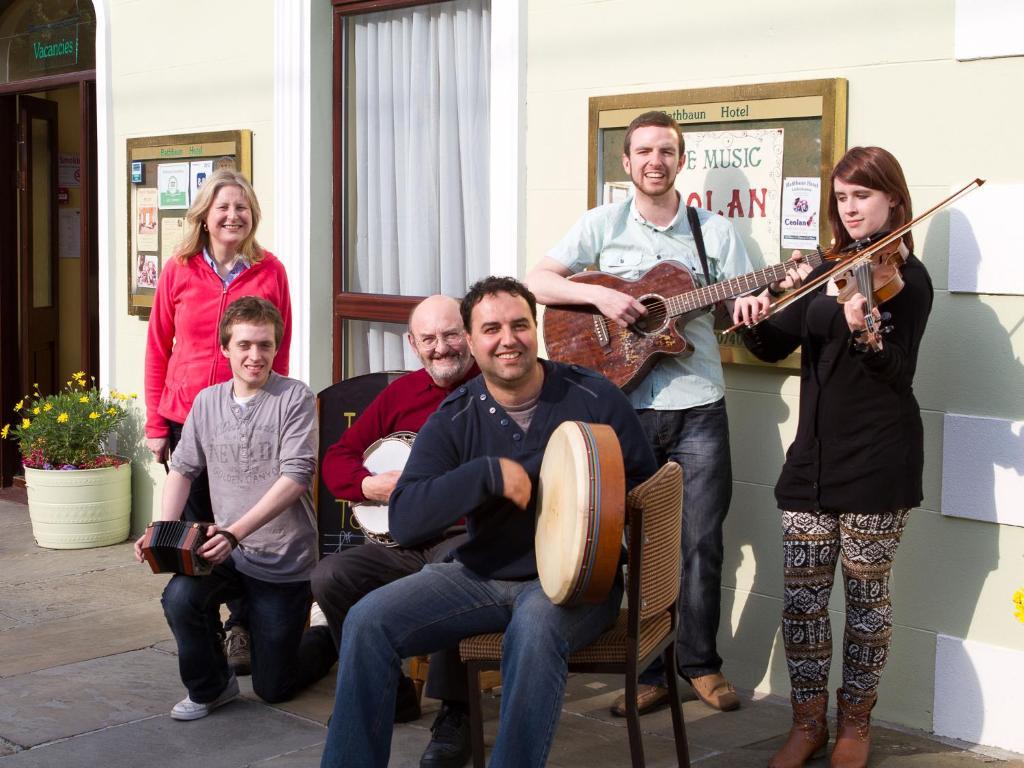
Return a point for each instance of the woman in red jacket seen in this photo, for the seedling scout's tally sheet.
(217, 262)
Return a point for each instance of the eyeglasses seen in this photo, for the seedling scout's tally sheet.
(451, 339)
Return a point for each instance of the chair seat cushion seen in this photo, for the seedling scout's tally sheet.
(610, 647)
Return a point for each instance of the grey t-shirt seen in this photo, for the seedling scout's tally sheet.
(245, 450)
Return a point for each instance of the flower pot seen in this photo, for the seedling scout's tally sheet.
(79, 508)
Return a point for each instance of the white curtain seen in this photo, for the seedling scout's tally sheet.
(421, 161)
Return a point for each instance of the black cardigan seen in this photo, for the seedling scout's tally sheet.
(859, 444)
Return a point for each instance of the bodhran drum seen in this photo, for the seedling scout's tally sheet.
(387, 454)
(581, 512)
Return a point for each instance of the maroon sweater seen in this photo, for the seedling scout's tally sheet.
(402, 407)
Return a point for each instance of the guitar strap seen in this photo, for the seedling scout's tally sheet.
(698, 239)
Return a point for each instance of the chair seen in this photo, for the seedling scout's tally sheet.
(645, 628)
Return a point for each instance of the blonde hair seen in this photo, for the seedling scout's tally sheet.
(196, 238)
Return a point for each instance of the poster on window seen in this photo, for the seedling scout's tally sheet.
(738, 175)
(147, 237)
(199, 172)
(801, 197)
(172, 181)
(146, 270)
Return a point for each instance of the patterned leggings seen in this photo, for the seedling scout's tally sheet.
(811, 544)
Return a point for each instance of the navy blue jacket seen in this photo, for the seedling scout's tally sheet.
(454, 473)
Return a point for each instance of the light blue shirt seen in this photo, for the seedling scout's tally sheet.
(240, 266)
(621, 242)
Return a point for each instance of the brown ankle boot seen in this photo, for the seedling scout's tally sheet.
(853, 732)
(807, 737)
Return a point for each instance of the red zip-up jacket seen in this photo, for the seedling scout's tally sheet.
(183, 349)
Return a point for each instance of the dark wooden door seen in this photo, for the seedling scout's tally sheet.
(37, 246)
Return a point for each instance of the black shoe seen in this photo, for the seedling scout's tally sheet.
(407, 703)
(449, 745)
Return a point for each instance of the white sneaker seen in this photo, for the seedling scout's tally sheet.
(186, 709)
(316, 616)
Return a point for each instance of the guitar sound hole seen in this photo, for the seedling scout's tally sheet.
(654, 321)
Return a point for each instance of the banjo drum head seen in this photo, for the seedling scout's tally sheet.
(388, 453)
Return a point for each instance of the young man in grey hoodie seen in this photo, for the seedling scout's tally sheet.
(256, 436)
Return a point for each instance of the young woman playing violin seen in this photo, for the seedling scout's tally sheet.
(854, 470)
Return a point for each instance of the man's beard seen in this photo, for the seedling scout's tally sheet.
(447, 369)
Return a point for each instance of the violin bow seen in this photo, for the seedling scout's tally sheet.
(860, 256)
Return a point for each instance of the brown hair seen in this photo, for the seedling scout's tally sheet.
(196, 238)
(252, 310)
(491, 286)
(874, 168)
(655, 118)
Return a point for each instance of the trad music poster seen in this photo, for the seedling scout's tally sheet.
(738, 174)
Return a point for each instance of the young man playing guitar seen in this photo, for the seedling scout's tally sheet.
(681, 400)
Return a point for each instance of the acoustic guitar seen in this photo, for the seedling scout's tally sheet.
(582, 335)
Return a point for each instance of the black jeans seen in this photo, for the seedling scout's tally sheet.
(199, 509)
(285, 659)
(343, 579)
(698, 439)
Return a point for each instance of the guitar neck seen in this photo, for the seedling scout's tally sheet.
(730, 289)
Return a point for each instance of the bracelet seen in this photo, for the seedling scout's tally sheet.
(232, 539)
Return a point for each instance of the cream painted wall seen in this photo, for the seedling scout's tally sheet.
(169, 78)
(947, 122)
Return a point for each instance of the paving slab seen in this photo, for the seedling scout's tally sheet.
(30, 647)
(25, 562)
(236, 735)
(66, 596)
(60, 702)
(890, 749)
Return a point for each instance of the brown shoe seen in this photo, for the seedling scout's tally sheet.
(236, 649)
(807, 737)
(853, 732)
(715, 691)
(648, 699)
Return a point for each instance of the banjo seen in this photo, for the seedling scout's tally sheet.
(387, 454)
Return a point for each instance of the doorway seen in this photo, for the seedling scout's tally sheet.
(49, 303)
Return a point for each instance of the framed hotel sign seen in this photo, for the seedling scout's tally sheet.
(163, 176)
(759, 155)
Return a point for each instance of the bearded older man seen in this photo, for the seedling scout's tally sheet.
(437, 335)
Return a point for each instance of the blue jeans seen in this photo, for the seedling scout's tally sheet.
(434, 609)
(698, 440)
(284, 658)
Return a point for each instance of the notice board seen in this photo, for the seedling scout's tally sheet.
(163, 175)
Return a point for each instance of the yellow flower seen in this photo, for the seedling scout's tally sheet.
(68, 383)
(18, 405)
(62, 418)
(83, 399)
(78, 375)
(134, 396)
(94, 415)
(26, 423)
(48, 407)
(5, 430)
(35, 411)
(112, 411)
(1018, 604)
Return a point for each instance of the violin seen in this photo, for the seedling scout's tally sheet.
(877, 257)
(877, 279)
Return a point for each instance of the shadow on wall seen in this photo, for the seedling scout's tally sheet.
(753, 543)
(947, 560)
(131, 442)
